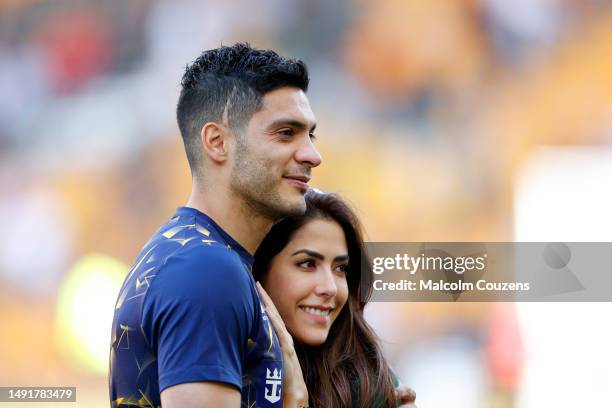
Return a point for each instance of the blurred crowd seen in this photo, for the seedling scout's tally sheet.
(426, 110)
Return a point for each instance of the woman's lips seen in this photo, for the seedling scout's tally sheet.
(318, 314)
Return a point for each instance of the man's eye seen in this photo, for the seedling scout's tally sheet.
(313, 136)
(286, 132)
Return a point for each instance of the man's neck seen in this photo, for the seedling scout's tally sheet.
(233, 215)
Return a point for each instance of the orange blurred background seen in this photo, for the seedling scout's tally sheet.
(432, 115)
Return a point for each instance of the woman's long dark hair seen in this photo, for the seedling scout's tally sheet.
(349, 365)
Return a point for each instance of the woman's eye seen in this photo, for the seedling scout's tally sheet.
(344, 268)
(307, 264)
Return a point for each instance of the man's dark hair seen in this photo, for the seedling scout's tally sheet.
(236, 78)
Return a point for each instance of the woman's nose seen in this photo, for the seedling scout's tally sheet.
(326, 286)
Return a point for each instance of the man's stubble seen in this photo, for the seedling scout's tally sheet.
(254, 181)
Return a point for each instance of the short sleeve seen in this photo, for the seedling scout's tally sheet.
(197, 316)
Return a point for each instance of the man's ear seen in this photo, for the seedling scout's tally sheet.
(215, 138)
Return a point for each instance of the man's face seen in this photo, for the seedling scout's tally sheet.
(274, 157)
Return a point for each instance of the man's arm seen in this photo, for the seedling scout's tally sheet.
(201, 395)
(198, 319)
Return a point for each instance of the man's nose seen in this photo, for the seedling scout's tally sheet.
(308, 154)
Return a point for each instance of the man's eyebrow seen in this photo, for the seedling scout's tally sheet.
(298, 124)
(310, 253)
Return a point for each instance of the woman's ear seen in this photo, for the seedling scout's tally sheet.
(214, 138)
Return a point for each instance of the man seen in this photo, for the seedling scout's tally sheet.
(189, 329)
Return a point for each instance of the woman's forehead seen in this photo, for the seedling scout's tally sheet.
(320, 233)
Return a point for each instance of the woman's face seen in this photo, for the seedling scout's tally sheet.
(307, 280)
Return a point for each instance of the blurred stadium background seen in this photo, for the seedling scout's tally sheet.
(440, 120)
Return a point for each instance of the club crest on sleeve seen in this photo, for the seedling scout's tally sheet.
(271, 388)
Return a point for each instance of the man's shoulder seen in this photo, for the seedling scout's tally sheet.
(198, 269)
(183, 241)
(187, 232)
(186, 259)
(205, 259)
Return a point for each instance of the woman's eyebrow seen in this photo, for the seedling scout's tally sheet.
(341, 258)
(310, 253)
(314, 254)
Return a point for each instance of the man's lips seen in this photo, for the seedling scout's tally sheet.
(300, 181)
(303, 179)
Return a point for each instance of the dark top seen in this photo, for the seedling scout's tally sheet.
(189, 311)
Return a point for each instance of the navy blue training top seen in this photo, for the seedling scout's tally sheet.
(189, 311)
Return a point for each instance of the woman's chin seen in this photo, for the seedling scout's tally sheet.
(312, 338)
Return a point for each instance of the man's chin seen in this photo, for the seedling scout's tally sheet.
(288, 204)
(295, 206)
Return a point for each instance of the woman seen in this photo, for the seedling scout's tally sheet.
(310, 265)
